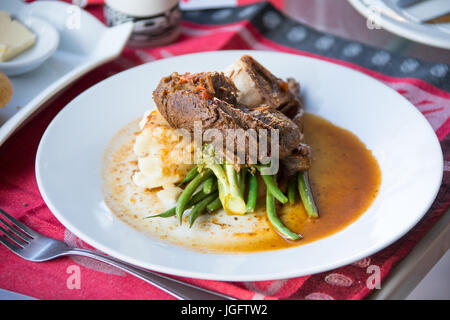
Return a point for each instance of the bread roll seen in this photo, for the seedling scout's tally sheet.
(6, 90)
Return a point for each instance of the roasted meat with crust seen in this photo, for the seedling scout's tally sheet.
(211, 97)
(258, 86)
(184, 99)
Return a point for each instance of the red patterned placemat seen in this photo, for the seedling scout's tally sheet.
(261, 27)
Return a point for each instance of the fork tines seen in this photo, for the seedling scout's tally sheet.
(15, 233)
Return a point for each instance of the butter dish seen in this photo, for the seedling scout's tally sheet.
(15, 38)
(46, 41)
(84, 43)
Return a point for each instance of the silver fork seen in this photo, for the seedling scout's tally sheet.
(36, 247)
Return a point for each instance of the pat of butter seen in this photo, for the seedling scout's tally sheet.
(15, 38)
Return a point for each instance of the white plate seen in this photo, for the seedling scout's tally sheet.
(391, 18)
(84, 44)
(47, 39)
(69, 159)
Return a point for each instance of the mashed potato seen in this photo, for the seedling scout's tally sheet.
(164, 157)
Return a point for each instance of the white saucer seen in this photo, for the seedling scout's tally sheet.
(47, 39)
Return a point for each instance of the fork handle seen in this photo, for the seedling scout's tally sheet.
(174, 287)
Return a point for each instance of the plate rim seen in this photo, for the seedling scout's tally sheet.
(234, 277)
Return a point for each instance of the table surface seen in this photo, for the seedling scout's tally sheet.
(339, 18)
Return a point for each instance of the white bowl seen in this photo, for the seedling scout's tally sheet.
(391, 18)
(47, 39)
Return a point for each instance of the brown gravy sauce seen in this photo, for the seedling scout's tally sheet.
(345, 178)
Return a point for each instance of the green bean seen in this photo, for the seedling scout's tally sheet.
(199, 196)
(241, 180)
(165, 214)
(232, 177)
(188, 191)
(271, 185)
(292, 186)
(274, 190)
(208, 185)
(306, 194)
(191, 175)
(276, 222)
(200, 207)
(214, 205)
(252, 193)
(230, 193)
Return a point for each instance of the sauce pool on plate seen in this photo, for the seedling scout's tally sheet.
(345, 178)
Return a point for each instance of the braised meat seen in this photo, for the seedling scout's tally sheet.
(258, 86)
(211, 97)
(184, 99)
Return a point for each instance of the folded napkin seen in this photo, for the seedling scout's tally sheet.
(259, 26)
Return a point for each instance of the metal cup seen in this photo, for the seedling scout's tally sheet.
(156, 22)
